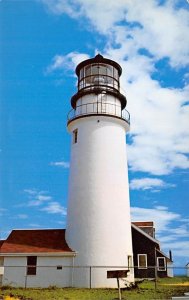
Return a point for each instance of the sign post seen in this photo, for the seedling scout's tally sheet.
(117, 274)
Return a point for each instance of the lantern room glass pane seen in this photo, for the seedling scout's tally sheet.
(98, 74)
(81, 73)
(87, 71)
(95, 69)
(115, 75)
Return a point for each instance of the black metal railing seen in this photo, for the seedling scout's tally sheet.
(99, 108)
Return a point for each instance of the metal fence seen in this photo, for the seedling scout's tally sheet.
(67, 276)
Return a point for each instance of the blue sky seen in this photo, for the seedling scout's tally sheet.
(41, 42)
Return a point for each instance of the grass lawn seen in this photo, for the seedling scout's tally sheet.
(166, 288)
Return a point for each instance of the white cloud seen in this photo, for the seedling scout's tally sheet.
(63, 164)
(37, 198)
(31, 191)
(55, 208)
(161, 216)
(170, 230)
(159, 115)
(138, 21)
(66, 62)
(148, 184)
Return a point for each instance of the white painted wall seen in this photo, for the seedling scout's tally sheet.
(14, 271)
(47, 273)
(98, 224)
(170, 269)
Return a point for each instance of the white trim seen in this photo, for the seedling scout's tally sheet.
(159, 267)
(142, 267)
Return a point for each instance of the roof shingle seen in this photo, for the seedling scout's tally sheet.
(35, 241)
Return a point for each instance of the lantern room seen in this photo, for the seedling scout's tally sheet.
(99, 72)
(98, 90)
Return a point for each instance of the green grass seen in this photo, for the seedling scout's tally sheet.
(166, 288)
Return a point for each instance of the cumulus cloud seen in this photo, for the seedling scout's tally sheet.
(63, 164)
(44, 202)
(37, 198)
(170, 230)
(54, 208)
(66, 62)
(137, 21)
(161, 216)
(148, 184)
(137, 40)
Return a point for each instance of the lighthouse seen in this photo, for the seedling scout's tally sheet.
(98, 217)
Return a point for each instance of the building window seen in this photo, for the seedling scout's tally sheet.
(75, 136)
(59, 267)
(31, 265)
(161, 263)
(142, 261)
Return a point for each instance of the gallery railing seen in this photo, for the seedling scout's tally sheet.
(99, 108)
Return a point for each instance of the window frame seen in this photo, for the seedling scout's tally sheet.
(138, 258)
(161, 268)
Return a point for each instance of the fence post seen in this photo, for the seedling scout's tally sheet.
(25, 281)
(155, 270)
(90, 274)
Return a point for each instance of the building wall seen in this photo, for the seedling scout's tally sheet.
(46, 275)
(98, 225)
(143, 245)
(170, 272)
(163, 273)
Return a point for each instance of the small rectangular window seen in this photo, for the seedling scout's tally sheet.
(142, 261)
(161, 263)
(75, 136)
(31, 265)
(59, 267)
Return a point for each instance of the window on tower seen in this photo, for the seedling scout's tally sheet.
(75, 136)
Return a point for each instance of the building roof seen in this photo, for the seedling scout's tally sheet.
(35, 241)
(144, 233)
(144, 224)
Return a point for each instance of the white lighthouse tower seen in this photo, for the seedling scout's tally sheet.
(98, 221)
